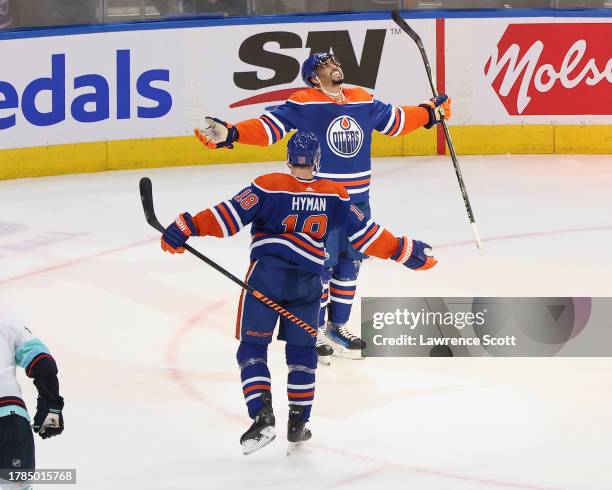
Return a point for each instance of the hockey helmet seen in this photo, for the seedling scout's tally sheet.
(304, 150)
(309, 67)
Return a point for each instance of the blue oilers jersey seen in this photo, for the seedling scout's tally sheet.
(290, 219)
(344, 131)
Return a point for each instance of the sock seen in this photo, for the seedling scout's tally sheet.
(254, 373)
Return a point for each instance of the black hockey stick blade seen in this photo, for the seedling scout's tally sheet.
(146, 196)
(401, 23)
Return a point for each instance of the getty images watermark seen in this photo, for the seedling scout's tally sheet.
(399, 327)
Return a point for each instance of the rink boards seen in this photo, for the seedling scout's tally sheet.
(128, 96)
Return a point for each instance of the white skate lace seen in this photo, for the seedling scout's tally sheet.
(346, 334)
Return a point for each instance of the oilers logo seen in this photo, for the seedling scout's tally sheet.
(344, 137)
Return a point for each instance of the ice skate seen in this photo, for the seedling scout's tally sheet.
(297, 432)
(261, 432)
(346, 344)
(324, 350)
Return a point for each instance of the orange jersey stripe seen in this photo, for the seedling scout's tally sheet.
(228, 218)
(367, 236)
(397, 121)
(350, 183)
(297, 240)
(356, 94)
(288, 183)
(304, 244)
(239, 315)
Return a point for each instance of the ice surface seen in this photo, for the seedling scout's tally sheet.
(145, 345)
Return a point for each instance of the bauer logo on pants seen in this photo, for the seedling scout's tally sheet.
(553, 69)
(344, 136)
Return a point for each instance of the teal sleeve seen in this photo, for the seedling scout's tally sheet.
(29, 350)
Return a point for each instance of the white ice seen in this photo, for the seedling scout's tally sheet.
(144, 340)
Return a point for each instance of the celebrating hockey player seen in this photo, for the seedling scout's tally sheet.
(291, 216)
(343, 119)
(18, 347)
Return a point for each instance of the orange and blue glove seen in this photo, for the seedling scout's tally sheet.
(414, 254)
(438, 107)
(177, 233)
(217, 134)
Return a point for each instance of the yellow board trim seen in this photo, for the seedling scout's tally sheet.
(186, 150)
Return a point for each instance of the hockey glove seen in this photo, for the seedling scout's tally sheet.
(438, 107)
(218, 134)
(414, 254)
(177, 234)
(48, 421)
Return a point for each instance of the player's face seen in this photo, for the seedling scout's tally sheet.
(330, 72)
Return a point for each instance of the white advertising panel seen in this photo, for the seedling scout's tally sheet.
(530, 70)
(159, 83)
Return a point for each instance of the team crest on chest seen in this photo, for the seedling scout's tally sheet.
(344, 136)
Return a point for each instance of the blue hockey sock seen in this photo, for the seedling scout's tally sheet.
(342, 287)
(254, 373)
(302, 363)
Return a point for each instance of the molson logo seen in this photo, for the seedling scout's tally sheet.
(344, 136)
(553, 69)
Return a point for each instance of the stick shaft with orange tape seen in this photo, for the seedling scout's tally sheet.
(146, 196)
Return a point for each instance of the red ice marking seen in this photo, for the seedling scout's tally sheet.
(526, 235)
(382, 465)
(179, 376)
(70, 263)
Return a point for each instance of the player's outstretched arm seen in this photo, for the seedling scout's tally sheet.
(397, 121)
(225, 219)
(34, 356)
(264, 130)
(372, 239)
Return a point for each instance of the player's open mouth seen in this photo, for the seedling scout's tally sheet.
(336, 73)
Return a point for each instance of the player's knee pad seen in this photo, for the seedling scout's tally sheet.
(347, 269)
(251, 354)
(301, 355)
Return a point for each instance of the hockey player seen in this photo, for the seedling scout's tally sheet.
(290, 216)
(18, 347)
(343, 119)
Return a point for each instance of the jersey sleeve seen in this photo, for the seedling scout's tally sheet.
(396, 121)
(270, 127)
(229, 217)
(29, 350)
(366, 236)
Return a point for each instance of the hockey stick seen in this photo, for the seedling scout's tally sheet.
(146, 196)
(395, 15)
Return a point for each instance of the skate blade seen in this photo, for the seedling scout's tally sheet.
(326, 360)
(343, 353)
(250, 446)
(295, 447)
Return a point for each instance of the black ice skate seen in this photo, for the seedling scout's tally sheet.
(261, 431)
(324, 350)
(348, 343)
(297, 432)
